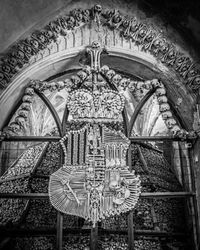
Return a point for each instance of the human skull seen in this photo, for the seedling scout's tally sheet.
(6, 68)
(164, 47)
(104, 69)
(12, 61)
(160, 91)
(143, 31)
(19, 54)
(20, 121)
(116, 79)
(34, 43)
(156, 83)
(166, 115)
(76, 80)
(97, 8)
(71, 21)
(162, 99)
(164, 107)
(110, 74)
(197, 81)
(170, 123)
(175, 130)
(60, 85)
(29, 91)
(14, 127)
(140, 85)
(95, 44)
(26, 106)
(27, 49)
(124, 83)
(52, 86)
(23, 113)
(27, 98)
(132, 85)
(68, 83)
(82, 75)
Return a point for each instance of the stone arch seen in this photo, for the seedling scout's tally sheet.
(126, 38)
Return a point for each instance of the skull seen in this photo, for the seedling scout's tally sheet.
(97, 8)
(27, 49)
(156, 83)
(34, 43)
(160, 91)
(104, 69)
(95, 44)
(26, 106)
(6, 68)
(175, 130)
(19, 54)
(166, 115)
(157, 43)
(41, 37)
(76, 80)
(12, 61)
(170, 123)
(132, 85)
(110, 74)
(117, 18)
(71, 21)
(55, 27)
(23, 113)
(172, 54)
(164, 107)
(150, 37)
(124, 83)
(162, 99)
(134, 24)
(14, 127)
(48, 34)
(68, 83)
(53, 86)
(27, 98)
(63, 22)
(60, 85)
(197, 81)
(192, 73)
(164, 47)
(20, 121)
(82, 75)
(143, 31)
(140, 85)
(29, 91)
(116, 79)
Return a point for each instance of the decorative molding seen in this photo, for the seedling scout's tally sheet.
(144, 35)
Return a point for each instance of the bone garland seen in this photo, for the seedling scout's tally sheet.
(22, 113)
(123, 83)
(68, 84)
(145, 36)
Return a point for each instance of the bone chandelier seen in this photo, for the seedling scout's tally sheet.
(94, 181)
